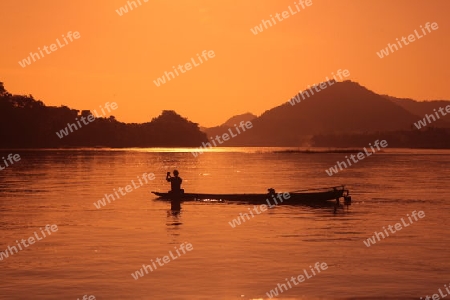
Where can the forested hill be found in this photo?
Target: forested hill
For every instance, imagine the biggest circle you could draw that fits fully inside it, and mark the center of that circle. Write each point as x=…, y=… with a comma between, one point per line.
x=28, y=123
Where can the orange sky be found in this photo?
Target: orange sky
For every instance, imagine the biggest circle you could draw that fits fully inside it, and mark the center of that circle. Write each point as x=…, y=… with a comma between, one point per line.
x=118, y=57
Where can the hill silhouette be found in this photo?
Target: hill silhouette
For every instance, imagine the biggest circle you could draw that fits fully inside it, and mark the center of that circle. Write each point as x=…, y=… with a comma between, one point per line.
x=229, y=124
x=28, y=123
x=421, y=108
x=344, y=109
x=235, y=120
x=344, y=114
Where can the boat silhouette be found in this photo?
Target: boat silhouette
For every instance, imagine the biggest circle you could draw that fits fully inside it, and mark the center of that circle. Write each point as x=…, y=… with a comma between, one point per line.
x=320, y=196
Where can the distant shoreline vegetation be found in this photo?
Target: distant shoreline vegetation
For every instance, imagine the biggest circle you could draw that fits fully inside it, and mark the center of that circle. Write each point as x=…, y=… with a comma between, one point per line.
x=317, y=151
x=28, y=123
x=90, y=118
x=430, y=138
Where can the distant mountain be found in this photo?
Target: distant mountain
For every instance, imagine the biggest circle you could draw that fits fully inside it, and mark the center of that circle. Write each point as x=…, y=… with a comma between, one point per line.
x=421, y=108
x=343, y=114
x=343, y=107
x=231, y=122
x=228, y=125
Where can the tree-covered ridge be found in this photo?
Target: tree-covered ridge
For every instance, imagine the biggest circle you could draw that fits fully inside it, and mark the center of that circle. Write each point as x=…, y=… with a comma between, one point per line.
x=28, y=123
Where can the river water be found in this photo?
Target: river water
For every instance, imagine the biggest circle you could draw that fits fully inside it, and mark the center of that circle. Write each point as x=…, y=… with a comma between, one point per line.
x=95, y=250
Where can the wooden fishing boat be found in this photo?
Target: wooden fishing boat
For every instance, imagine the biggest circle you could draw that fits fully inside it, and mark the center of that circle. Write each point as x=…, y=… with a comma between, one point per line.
x=311, y=196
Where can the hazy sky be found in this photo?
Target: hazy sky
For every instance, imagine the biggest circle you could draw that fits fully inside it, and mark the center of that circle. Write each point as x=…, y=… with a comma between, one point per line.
x=117, y=58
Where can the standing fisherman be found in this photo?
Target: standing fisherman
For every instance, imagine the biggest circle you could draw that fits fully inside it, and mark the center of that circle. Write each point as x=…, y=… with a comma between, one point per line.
x=176, y=191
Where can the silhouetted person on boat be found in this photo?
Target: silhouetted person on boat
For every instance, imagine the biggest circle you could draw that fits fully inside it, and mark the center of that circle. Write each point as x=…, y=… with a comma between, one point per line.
x=175, y=182
x=176, y=191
